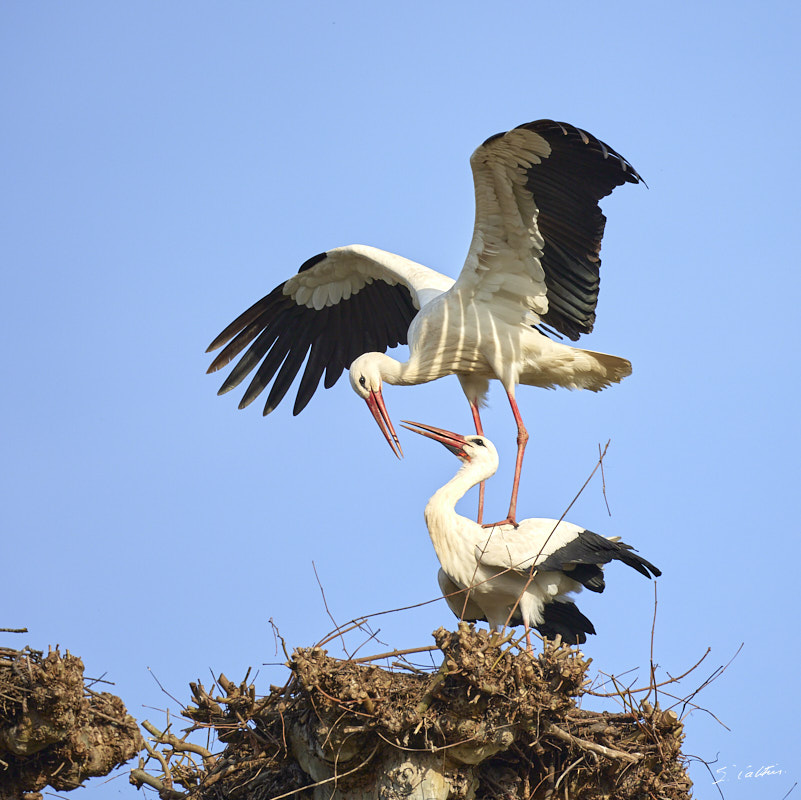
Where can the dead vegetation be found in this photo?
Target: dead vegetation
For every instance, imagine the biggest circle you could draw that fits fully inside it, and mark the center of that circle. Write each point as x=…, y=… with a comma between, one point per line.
x=493, y=722
x=55, y=730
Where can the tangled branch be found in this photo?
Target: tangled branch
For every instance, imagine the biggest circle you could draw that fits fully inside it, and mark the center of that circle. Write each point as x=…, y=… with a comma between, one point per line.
x=493, y=717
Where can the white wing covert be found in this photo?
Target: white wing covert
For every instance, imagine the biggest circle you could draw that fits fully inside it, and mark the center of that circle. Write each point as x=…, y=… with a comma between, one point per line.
x=532, y=543
x=560, y=546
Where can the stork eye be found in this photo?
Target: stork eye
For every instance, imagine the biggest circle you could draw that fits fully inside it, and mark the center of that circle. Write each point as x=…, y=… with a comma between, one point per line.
x=362, y=381
x=479, y=442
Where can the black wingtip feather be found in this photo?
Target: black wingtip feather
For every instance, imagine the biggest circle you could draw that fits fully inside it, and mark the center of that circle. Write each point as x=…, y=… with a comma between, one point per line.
x=289, y=369
x=493, y=138
x=261, y=309
x=642, y=566
x=590, y=576
x=592, y=548
x=278, y=333
x=310, y=262
x=567, y=186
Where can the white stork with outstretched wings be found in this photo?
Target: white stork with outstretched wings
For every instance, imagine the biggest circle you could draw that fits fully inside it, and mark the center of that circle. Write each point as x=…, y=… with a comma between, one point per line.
x=532, y=270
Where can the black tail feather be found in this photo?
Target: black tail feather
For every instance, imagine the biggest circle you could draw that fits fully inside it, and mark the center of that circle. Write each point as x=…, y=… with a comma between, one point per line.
x=562, y=617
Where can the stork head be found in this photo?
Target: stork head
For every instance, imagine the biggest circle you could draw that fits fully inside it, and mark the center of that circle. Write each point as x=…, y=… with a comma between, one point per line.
x=366, y=380
x=469, y=449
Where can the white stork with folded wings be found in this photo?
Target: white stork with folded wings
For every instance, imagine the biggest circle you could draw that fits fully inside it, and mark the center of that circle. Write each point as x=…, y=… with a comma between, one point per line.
x=532, y=265
x=514, y=575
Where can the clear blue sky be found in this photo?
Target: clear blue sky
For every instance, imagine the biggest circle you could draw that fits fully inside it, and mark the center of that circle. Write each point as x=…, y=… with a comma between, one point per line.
x=166, y=164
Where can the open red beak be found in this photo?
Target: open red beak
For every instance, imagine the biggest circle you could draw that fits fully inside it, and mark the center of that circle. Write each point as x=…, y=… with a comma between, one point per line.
x=375, y=402
x=453, y=441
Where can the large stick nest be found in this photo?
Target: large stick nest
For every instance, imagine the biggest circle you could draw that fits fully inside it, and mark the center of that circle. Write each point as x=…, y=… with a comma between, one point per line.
x=494, y=722
x=54, y=730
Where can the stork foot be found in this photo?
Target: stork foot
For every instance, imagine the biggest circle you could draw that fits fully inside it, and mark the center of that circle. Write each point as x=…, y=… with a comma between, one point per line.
x=508, y=521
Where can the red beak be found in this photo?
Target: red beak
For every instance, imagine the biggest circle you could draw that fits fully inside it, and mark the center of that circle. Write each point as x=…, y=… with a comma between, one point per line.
x=375, y=402
x=453, y=441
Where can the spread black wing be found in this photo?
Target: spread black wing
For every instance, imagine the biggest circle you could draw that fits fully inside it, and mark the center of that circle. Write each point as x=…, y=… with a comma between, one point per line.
x=566, y=187
x=555, y=175
x=280, y=333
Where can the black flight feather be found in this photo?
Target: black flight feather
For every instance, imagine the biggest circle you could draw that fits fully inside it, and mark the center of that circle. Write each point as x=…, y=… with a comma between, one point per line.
x=280, y=334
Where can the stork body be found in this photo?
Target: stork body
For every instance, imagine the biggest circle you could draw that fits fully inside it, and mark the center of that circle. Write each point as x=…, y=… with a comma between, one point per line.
x=514, y=575
x=532, y=265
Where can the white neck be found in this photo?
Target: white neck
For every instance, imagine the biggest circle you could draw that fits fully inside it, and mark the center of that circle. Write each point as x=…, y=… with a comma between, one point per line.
x=390, y=369
x=471, y=473
x=451, y=533
x=402, y=373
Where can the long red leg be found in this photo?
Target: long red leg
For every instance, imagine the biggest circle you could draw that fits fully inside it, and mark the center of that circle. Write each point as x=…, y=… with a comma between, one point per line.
x=522, y=440
x=480, y=432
